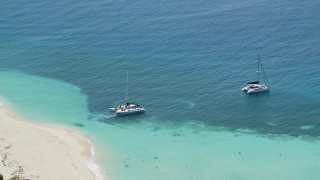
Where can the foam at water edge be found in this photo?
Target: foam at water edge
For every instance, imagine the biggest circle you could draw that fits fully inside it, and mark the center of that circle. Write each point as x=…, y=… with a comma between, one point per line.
x=94, y=167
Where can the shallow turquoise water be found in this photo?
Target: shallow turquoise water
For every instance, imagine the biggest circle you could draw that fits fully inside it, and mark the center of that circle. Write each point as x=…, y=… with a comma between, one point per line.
x=42, y=99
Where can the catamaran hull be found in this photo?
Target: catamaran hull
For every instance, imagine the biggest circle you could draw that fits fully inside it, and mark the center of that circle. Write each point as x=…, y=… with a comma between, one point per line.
x=129, y=112
x=127, y=109
x=255, y=88
x=251, y=91
x=245, y=88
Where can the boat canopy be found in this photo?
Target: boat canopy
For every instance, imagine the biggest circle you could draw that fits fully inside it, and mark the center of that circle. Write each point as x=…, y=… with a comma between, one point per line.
x=253, y=82
x=129, y=103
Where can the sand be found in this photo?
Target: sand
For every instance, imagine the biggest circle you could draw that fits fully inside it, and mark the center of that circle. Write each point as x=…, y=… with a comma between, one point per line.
x=39, y=151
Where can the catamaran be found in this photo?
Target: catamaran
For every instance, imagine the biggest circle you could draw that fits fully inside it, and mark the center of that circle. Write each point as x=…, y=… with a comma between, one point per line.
x=129, y=107
x=255, y=86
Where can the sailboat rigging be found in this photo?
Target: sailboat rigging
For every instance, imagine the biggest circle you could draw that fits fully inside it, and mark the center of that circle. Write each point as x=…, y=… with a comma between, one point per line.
x=255, y=86
x=129, y=107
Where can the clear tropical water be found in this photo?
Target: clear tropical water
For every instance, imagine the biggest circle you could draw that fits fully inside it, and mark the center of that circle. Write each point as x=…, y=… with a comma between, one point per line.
x=65, y=62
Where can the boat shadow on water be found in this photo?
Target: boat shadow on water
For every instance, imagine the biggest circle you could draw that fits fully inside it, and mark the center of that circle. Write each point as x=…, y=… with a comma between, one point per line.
x=114, y=119
x=263, y=97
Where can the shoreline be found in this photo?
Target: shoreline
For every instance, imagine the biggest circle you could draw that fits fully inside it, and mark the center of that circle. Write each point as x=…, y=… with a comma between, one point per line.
x=44, y=151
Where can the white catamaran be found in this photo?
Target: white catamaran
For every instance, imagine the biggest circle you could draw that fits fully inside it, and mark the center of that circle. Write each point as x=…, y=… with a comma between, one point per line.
x=129, y=107
x=255, y=86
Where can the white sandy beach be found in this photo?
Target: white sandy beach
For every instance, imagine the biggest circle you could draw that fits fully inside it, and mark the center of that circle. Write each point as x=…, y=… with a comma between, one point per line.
x=34, y=151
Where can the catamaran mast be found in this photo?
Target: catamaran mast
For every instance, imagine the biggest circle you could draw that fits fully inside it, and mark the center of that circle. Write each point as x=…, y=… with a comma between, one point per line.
x=258, y=72
x=127, y=88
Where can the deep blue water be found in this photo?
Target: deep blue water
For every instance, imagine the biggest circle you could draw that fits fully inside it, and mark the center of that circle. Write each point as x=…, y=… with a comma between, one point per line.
x=187, y=60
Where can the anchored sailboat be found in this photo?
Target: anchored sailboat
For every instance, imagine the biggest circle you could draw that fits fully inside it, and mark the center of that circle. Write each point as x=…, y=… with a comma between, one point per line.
x=129, y=107
x=255, y=86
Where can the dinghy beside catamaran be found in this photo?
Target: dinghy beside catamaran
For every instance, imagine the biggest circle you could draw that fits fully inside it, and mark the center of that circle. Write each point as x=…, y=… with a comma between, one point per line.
x=255, y=86
x=129, y=107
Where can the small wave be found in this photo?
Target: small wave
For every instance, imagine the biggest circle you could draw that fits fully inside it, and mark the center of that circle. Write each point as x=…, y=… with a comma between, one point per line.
x=272, y=124
x=109, y=116
x=95, y=168
x=307, y=127
x=189, y=104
